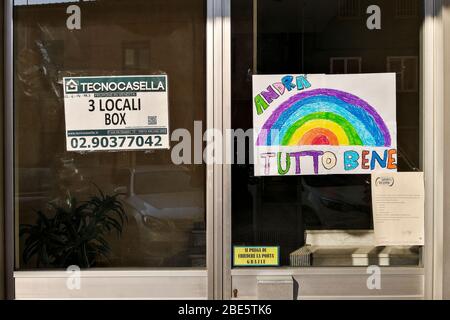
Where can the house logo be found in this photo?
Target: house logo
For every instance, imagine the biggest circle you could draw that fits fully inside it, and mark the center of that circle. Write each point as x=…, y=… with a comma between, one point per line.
x=71, y=86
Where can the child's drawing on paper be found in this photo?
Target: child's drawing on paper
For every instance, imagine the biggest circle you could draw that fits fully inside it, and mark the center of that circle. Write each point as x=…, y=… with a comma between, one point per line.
x=324, y=124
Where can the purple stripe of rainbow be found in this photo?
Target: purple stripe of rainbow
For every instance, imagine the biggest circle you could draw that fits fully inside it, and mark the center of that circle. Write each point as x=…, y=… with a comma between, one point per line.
x=344, y=96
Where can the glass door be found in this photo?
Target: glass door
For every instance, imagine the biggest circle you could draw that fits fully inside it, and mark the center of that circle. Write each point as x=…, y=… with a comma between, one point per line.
x=319, y=222
x=108, y=209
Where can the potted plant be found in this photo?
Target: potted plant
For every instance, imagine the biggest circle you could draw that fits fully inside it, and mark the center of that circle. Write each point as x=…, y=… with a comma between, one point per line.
x=73, y=233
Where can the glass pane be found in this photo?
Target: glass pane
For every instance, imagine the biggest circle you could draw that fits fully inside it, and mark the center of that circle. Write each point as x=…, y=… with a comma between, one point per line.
x=353, y=65
x=129, y=57
x=164, y=204
x=348, y=8
x=337, y=66
x=410, y=74
x=297, y=213
x=396, y=65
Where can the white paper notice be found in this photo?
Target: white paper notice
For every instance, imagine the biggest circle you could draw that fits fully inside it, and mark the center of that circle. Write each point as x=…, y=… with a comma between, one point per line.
x=398, y=208
x=116, y=113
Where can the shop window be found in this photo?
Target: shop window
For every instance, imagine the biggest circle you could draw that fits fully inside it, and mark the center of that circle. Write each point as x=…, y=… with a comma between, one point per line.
x=159, y=217
x=319, y=220
x=406, y=8
x=349, y=9
x=345, y=65
x=406, y=69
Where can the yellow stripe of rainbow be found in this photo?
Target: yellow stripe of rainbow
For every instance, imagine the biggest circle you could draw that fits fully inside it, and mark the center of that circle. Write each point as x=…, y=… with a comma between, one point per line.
x=320, y=123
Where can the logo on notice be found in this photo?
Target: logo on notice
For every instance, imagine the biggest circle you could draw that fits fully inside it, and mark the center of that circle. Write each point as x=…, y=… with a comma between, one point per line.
x=71, y=86
x=385, y=181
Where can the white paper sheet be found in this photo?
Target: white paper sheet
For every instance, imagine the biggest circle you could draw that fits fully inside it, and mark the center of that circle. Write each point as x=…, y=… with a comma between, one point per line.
x=116, y=113
x=320, y=124
x=398, y=208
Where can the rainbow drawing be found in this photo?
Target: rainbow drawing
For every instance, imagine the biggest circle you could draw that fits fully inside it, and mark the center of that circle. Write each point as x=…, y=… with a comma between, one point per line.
x=325, y=117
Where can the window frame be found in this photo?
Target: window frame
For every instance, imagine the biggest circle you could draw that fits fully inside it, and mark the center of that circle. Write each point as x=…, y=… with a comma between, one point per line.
x=342, y=3
x=397, y=4
x=219, y=278
x=426, y=279
x=192, y=283
x=402, y=74
x=345, y=60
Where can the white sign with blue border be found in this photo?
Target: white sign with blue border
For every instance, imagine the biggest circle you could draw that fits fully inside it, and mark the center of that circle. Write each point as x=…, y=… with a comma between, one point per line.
x=116, y=113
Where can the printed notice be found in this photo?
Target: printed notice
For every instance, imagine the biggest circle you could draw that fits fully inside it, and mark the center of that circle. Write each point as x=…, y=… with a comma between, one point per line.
x=398, y=208
x=116, y=113
x=256, y=256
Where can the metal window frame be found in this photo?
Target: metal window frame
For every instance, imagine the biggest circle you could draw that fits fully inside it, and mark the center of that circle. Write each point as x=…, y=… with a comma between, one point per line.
x=2, y=229
x=429, y=278
x=9, y=149
x=446, y=220
x=219, y=275
x=21, y=284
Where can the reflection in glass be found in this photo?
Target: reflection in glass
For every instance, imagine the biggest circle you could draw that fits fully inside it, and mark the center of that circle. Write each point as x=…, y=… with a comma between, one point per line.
x=315, y=37
x=164, y=203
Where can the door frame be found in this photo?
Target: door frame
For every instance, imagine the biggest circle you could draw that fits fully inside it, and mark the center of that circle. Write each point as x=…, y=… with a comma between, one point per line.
x=427, y=281
x=218, y=279
x=2, y=229
x=8, y=150
x=192, y=283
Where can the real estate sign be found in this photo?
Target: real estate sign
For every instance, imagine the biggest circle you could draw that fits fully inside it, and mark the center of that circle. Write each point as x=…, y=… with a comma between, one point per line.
x=116, y=113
